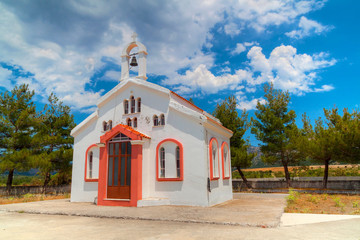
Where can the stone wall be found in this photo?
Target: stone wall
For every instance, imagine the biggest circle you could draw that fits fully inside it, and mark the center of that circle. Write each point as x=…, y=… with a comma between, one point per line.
x=310, y=183
x=20, y=190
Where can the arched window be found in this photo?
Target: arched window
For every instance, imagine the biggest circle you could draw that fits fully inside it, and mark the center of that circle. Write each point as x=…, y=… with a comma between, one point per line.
x=104, y=126
x=156, y=120
x=162, y=119
x=126, y=106
x=162, y=162
x=214, y=159
x=139, y=105
x=128, y=121
x=178, y=161
x=110, y=124
x=169, y=160
x=135, y=123
x=90, y=164
x=132, y=102
x=226, y=160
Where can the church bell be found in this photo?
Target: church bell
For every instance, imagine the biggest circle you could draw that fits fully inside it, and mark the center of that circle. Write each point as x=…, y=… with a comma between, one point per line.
x=133, y=62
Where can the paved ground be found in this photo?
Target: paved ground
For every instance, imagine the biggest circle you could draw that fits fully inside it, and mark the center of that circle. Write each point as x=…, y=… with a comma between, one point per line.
x=39, y=226
x=257, y=210
x=248, y=216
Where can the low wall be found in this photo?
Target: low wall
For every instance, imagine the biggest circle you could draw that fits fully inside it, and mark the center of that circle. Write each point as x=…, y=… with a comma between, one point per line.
x=334, y=183
x=20, y=190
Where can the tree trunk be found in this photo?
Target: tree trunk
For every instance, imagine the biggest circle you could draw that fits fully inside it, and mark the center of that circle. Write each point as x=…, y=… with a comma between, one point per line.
x=9, y=181
x=326, y=173
x=46, y=181
x=244, y=178
x=287, y=174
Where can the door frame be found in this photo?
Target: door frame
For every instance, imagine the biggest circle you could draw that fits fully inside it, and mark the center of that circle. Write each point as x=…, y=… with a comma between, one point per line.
x=136, y=168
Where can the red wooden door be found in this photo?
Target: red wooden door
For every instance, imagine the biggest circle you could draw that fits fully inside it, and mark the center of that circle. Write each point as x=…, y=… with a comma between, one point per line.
x=119, y=170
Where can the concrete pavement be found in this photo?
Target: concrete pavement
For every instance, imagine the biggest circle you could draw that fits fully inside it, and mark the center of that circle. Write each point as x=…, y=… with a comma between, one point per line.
x=39, y=226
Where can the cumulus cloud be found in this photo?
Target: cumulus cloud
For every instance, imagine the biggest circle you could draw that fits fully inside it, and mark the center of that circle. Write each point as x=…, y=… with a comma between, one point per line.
x=241, y=47
x=308, y=27
x=232, y=29
x=287, y=69
x=243, y=103
x=201, y=79
x=259, y=14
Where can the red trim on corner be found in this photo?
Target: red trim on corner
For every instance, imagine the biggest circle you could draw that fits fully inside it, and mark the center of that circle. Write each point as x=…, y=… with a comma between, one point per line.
x=181, y=178
x=211, y=166
x=222, y=159
x=86, y=162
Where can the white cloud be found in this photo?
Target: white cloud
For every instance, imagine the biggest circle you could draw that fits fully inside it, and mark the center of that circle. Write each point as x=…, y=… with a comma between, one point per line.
x=112, y=75
x=240, y=47
x=324, y=88
x=202, y=79
x=243, y=103
x=288, y=70
x=5, y=76
x=308, y=27
x=232, y=29
x=259, y=14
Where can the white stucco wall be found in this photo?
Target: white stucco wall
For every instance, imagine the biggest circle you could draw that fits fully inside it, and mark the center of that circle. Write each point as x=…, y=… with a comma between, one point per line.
x=82, y=191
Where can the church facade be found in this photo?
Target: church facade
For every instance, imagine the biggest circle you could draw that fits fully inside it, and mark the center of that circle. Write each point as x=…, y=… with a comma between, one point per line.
x=145, y=145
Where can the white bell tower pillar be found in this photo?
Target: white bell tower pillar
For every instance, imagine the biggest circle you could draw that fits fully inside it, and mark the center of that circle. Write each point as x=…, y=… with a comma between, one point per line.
x=140, y=57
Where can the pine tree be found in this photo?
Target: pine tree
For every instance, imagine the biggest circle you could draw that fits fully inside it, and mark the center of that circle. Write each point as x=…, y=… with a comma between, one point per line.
x=227, y=113
x=17, y=115
x=275, y=127
x=336, y=140
x=53, y=140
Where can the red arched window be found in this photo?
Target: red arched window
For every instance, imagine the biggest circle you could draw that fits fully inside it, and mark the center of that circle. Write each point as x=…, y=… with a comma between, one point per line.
x=110, y=124
x=104, y=126
x=226, y=160
x=128, y=122
x=169, y=160
x=139, y=105
x=126, y=106
x=135, y=123
x=132, y=102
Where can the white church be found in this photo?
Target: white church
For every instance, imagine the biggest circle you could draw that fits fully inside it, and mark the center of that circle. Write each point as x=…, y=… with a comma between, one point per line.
x=145, y=145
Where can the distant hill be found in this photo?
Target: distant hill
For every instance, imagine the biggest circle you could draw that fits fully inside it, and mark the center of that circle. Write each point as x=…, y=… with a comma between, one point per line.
x=256, y=162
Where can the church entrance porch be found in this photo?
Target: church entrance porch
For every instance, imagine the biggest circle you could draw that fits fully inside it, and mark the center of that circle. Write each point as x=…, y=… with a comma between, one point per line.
x=120, y=168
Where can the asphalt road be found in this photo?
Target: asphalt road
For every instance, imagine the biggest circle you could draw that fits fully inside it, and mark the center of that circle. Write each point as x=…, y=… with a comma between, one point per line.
x=38, y=226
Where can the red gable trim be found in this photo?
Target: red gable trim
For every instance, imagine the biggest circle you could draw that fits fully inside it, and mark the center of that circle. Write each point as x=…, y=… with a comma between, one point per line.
x=209, y=119
x=124, y=129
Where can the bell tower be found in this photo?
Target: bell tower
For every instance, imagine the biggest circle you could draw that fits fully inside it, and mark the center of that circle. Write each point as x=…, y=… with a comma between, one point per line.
x=136, y=59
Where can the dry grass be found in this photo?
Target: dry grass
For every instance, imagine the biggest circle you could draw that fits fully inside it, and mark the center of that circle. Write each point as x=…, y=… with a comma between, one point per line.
x=323, y=203
x=30, y=198
x=281, y=169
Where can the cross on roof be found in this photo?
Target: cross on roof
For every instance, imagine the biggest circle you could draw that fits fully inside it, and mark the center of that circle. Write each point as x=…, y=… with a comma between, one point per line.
x=134, y=35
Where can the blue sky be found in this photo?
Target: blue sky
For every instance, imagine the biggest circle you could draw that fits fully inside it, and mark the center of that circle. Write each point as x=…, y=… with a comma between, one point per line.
x=206, y=50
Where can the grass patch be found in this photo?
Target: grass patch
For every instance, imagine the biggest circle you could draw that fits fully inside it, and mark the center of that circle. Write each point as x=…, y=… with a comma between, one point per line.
x=322, y=203
x=31, y=198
